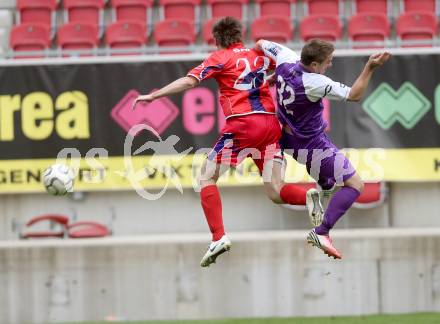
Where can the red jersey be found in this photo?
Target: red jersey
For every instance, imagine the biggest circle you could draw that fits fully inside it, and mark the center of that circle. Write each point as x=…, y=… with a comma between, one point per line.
x=240, y=73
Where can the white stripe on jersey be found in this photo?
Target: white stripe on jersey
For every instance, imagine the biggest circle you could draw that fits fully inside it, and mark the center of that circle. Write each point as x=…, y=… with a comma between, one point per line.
x=279, y=53
x=318, y=86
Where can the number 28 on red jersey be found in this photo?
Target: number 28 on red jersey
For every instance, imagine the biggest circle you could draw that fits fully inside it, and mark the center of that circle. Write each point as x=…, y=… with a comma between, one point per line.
x=241, y=75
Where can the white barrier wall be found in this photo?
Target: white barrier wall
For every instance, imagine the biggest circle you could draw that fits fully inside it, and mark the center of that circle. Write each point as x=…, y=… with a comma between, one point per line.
x=265, y=274
x=415, y=204
x=245, y=209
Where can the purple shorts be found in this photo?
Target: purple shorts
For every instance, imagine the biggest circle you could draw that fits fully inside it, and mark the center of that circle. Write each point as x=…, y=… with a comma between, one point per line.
x=324, y=161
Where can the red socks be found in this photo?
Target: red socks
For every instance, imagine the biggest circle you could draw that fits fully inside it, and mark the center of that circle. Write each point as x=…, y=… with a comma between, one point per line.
x=212, y=206
x=293, y=195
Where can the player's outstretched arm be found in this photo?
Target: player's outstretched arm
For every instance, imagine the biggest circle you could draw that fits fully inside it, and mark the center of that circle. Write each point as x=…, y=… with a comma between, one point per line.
x=360, y=85
x=259, y=45
x=179, y=85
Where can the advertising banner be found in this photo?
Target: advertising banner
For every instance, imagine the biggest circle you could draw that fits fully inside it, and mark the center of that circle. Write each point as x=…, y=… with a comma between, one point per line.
x=83, y=111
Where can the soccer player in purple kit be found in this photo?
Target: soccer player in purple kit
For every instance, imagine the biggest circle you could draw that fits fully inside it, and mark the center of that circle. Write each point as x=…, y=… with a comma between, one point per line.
x=301, y=86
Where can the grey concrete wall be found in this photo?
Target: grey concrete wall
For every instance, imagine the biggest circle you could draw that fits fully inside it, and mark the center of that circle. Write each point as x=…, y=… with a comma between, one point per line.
x=415, y=204
x=245, y=209
x=265, y=274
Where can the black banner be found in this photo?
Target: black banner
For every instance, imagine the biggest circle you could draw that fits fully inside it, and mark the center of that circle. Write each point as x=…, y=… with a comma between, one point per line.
x=44, y=109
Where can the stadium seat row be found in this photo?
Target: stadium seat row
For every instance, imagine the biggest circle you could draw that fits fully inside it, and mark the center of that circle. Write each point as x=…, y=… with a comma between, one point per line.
x=373, y=195
x=61, y=226
x=135, y=9
x=66, y=228
x=132, y=22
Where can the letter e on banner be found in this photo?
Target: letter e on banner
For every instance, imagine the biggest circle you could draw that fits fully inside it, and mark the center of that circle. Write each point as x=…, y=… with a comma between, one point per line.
x=198, y=109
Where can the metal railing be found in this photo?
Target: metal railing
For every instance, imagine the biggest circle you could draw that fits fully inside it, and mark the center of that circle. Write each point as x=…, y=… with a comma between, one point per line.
x=196, y=52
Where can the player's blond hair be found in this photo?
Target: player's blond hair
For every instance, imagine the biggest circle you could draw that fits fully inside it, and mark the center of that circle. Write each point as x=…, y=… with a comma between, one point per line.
x=316, y=50
x=227, y=31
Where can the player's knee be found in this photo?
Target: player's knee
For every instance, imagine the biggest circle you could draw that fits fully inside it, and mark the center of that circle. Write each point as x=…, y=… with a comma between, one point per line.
x=204, y=182
x=358, y=185
x=275, y=198
x=273, y=195
x=208, y=176
x=361, y=186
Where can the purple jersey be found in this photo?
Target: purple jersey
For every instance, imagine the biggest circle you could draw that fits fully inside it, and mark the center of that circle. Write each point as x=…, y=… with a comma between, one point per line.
x=299, y=97
x=300, y=92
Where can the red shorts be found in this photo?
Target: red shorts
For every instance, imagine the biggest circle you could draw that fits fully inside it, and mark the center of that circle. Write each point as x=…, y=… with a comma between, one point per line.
x=255, y=136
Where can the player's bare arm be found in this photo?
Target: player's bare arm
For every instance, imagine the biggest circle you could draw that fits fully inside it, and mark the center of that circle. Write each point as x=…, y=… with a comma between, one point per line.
x=360, y=85
x=271, y=79
x=259, y=45
x=179, y=85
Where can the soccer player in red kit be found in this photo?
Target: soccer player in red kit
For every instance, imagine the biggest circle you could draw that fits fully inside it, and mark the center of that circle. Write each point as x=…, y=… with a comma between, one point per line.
x=251, y=129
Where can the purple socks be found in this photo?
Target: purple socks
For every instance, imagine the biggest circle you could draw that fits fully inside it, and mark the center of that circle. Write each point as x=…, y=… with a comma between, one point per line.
x=339, y=204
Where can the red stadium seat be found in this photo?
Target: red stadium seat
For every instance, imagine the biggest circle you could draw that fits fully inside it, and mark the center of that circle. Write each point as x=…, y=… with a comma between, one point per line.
x=274, y=8
x=323, y=7
x=30, y=37
x=274, y=28
x=419, y=5
x=126, y=34
x=374, y=195
x=366, y=27
x=417, y=26
x=36, y=11
x=60, y=220
x=88, y=11
x=223, y=8
x=207, y=31
x=78, y=36
x=138, y=10
x=371, y=6
x=174, y=32
x=81, y=229
x=87, y=229
x=178, y=9
x=326, y=27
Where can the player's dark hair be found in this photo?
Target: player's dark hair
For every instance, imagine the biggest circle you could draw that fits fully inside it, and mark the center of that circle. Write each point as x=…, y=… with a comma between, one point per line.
x=316, y=50
x=227, y=31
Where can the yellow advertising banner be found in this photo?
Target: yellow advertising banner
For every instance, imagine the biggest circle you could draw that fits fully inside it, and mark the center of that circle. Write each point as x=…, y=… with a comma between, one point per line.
x=176, y=171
